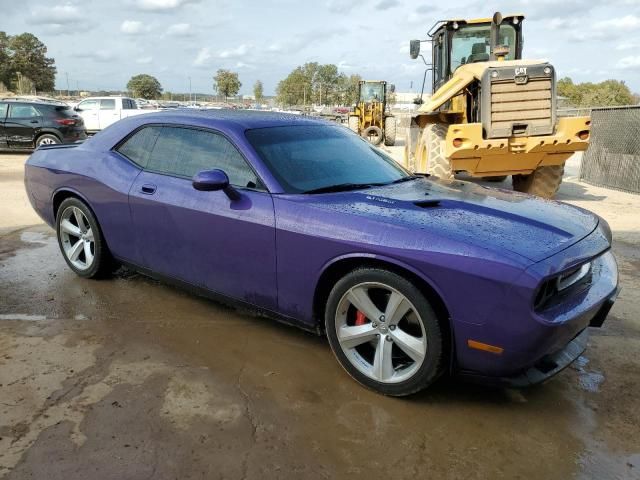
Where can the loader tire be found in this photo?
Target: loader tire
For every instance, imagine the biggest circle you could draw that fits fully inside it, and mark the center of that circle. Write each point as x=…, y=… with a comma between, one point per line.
x=353, y=124
x=373, y=135
x=543, y=182
x=390, y=131
x=433, y=159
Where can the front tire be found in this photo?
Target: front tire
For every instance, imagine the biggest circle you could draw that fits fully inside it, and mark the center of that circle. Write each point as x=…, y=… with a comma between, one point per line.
x=353, y=124
x=81, y=241
x=384, y=332
x=432, y=159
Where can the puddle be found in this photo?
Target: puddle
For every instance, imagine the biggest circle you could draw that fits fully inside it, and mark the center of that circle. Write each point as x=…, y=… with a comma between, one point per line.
x=588, y=380
x=34, y=237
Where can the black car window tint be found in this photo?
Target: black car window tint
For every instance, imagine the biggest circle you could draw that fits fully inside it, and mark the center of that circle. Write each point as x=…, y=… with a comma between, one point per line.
x=3, y=110
x=22, y=111
x=108, y=104
x=138, y=147
x=185, y=152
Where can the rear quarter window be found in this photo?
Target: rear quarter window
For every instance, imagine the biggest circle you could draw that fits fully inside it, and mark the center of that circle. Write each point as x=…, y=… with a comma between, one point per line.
x=138, y=146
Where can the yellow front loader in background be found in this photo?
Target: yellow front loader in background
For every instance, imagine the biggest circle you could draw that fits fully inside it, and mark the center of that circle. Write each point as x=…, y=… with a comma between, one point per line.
x=491, y=114
x=371, y=117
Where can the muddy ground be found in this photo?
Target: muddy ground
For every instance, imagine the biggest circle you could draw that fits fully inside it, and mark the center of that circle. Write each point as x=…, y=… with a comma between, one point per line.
x=129, y=379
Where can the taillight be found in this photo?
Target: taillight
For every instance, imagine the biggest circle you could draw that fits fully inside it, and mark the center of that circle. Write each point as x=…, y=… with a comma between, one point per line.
x=65, y=121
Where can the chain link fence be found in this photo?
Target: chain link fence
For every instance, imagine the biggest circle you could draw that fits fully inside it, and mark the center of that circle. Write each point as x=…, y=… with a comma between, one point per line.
x=613, y=157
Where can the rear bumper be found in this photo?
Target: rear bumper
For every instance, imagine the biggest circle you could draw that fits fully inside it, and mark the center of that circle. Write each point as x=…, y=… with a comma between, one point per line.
x=514, y=155
x=74, y=135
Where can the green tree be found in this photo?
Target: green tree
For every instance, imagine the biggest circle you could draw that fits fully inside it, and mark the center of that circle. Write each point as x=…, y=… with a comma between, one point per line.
x=26, y=54
x=258, y=91
x=315, y=83
x=603, y=94
x=144, y=86
x=349, y=88
x=226, y=83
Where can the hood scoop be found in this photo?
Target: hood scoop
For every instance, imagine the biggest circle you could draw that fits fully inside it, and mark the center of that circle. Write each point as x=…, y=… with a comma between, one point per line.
x=427, y=203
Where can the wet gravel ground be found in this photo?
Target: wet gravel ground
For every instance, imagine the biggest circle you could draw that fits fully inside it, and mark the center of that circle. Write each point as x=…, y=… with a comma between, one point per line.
x=128, y=378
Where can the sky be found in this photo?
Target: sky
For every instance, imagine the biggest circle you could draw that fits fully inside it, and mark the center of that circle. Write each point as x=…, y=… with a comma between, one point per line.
x=101, y=44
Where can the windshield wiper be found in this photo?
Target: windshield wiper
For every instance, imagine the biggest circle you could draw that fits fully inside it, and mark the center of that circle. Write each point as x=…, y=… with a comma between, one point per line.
x=404, y=179
x=343, y=187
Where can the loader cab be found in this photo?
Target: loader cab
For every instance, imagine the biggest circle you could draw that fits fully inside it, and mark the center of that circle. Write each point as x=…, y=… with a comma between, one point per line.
x=372, y=91
x=460, y=42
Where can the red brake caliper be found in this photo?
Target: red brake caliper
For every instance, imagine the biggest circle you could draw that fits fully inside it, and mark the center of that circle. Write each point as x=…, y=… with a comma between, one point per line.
x=360, y=318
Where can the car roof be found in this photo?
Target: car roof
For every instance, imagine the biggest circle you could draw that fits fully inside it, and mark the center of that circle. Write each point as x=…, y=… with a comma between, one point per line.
x=34, y=101
x=237, y=119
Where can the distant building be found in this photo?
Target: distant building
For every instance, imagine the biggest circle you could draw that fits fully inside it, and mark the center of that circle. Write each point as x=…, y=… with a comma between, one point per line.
x=406, y=100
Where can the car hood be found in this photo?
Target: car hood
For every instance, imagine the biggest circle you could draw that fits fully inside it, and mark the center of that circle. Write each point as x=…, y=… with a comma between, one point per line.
x=490, y=218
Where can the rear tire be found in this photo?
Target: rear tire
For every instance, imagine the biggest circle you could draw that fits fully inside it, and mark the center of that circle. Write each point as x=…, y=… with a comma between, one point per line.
x=47, y=139
x=353, y=124
x=81, y=241
x=543, y=182
x=390, y=131
x=374, y=350
x=373, y=135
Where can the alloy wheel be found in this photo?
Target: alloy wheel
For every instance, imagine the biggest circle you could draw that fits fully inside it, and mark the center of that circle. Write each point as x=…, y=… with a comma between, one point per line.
x=381, y=332
x=77, y=237
x=47, y=141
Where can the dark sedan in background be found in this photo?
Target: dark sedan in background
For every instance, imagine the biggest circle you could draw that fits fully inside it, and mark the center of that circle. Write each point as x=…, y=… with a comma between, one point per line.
x=26, y=124
x=409, y=277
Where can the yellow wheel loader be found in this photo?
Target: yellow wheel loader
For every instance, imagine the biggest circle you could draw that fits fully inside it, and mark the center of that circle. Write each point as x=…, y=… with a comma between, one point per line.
x=370, y=117
x=491, y=114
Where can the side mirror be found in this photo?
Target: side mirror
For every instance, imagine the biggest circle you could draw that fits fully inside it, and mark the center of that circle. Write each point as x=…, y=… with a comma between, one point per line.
x=214, y=180
x=77, y=109
x=392, y=88
x=414, y=49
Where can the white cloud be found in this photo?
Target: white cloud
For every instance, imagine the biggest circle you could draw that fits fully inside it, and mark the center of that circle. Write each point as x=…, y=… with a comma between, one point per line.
x=56, y=15
x=628, y=63
x=340, y=6
x=162, y=5
x=387, y=4
x=235, y=52
x=627, y=22
x=180, y=30
x=96, y=55
x=627, y=46
x=144, y=60
x=203, y=57
x=132, y=27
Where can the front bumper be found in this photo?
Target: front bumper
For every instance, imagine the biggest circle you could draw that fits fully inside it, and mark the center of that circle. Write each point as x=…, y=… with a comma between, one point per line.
x=551, y=364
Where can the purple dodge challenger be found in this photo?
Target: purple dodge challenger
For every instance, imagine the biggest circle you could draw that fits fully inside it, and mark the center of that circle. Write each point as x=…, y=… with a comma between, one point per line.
x=408, y=277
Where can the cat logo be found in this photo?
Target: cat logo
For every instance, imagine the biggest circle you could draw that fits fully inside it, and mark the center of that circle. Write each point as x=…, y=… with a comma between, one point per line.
x=521, y=71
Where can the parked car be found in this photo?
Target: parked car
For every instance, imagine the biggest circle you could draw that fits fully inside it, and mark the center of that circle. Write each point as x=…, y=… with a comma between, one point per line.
x=27, y=124
x=409, y=277
x=100, y=112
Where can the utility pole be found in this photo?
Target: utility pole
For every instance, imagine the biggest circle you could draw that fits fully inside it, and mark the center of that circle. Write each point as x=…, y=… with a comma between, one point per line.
x=190, y=90
x=67, y=74
x=78, y=87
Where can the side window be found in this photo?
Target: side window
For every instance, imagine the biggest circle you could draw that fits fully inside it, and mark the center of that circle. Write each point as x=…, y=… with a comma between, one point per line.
x=127, y=104
x=138, y=147
x=23, y=111
x=108, y=104
x=88, y=105
x=185, y=152
x=3, y=110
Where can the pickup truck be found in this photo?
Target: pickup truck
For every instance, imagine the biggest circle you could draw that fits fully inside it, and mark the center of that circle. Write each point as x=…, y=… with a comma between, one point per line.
x=100, y=112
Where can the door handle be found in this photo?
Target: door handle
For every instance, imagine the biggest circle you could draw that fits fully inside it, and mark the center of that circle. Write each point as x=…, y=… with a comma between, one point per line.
x=34, y=121
x=148, y=189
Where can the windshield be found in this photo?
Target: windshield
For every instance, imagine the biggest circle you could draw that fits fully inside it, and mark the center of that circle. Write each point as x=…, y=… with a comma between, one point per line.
x=305, y=158
x=371, y=91
x=470, y=44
